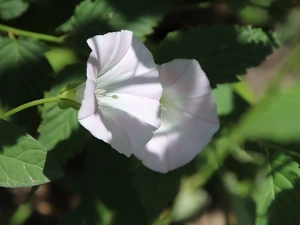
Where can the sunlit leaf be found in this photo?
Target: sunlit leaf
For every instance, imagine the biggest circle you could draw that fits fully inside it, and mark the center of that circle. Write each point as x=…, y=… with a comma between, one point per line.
x=23, y=160
x=223, y=95
x=277, y=119
x=277, y=197
x=243, y=90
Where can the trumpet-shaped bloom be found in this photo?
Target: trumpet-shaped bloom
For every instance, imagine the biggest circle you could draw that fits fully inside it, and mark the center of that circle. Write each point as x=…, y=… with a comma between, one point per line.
x=120, y=98
x=189, y=117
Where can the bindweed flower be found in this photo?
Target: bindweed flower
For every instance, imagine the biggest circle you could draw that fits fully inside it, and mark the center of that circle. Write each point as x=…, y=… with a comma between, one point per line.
x=189, y=117
x=120, y=98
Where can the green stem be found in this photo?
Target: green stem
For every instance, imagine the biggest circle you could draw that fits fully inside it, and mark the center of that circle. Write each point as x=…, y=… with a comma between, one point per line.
x=28, y=105
x=21, y=214
x=40, y=36
x=281, y=149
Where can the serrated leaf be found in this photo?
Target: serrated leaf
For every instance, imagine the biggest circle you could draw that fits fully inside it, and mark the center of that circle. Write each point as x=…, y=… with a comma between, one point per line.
x=277, y=197
x=60, y=130
x=223, y=51
x=57, y=124
x=23, y=160
x=24, y=70
x=10, y=9
x=99, y=16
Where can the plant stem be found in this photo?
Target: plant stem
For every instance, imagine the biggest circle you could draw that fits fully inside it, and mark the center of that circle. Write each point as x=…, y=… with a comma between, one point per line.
x=281, y=149
x=28, y=105
x=40, y=36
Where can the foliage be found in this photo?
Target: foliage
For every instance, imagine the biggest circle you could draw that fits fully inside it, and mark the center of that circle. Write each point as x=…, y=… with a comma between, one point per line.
x=249, y=171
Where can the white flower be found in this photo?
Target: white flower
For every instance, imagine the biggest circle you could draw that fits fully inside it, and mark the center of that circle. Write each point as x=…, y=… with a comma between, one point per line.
x=189, y=117
x=120, y=98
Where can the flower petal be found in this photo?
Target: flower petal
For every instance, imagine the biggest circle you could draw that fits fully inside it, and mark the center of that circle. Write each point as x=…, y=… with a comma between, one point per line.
x=189, y=118
x=85, y=95
x=107, y=51
x=94, y=124
x=136, y=67
x=128, y=134
x=123, y=78
x=145, y=85
x=184, y=79
x=146, y=110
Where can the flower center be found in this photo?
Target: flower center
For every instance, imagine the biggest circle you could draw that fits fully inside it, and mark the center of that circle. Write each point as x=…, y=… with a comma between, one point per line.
x=100, y=93
x=163, y=103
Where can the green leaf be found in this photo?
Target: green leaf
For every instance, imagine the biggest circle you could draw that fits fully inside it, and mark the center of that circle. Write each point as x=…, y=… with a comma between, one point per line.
x=57, y=124
x=243, y=90
x=242, y=209
x=60, y=130
x=10, y=9
x=280, y=8
x=156, y=189
x=23, y=160
x=237, y=4
x=290, y=29
x=99, y=16
x=213, y=157
x=107, y=194
x=277, y=197
x=221, y=58
x=224, y=98
x=60, y=57
x=277, y=119
x=24, y=70
x=189, y=202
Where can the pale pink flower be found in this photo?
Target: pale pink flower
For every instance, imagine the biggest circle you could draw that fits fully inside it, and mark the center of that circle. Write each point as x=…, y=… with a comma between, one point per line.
x=189, y=117
x=120, y=98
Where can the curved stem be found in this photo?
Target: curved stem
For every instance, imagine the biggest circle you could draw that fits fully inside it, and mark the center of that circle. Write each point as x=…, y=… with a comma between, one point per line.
x=28, y=105
x=40, y=36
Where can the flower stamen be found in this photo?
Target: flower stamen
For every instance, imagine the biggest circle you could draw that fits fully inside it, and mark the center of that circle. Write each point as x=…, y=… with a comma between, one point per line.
x=100, y=93
x=163, y=108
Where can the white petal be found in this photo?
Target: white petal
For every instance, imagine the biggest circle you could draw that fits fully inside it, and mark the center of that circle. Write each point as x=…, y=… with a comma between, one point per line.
x=137, y=66
x=128, y=134
x=107, y=51
x=85, y=95
x=189, y=121
x=146, y=85
x=184, y=78
x=94, y=124
x=145, y=110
